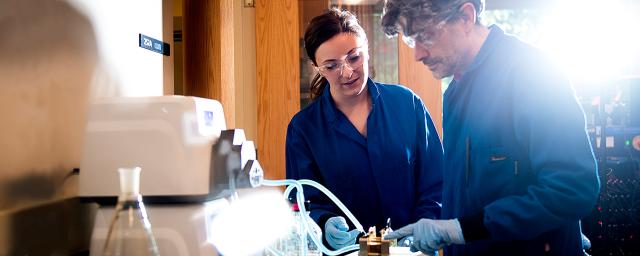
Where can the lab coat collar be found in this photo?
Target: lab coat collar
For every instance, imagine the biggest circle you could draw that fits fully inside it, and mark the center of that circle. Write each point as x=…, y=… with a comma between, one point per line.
x=495, y=35
x=339, y=121
x=329, y=106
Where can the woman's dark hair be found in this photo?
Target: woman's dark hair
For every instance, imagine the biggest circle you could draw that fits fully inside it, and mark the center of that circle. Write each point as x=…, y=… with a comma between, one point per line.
x=322, y=28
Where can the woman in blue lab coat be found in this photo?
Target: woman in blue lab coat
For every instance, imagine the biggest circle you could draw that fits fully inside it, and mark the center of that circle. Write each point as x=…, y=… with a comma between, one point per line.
x=373, y=145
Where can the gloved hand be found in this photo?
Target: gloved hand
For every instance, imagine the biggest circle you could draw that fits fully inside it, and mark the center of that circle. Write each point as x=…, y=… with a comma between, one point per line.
x=337, y=234
x=430, y=235
x=586, y=244
x=406, y=241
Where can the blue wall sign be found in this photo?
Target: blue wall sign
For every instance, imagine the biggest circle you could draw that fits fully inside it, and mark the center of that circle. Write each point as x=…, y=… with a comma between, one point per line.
x=153, y=45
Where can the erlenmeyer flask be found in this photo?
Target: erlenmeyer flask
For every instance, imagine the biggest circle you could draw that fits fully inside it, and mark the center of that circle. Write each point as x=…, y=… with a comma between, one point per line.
x=130, y=229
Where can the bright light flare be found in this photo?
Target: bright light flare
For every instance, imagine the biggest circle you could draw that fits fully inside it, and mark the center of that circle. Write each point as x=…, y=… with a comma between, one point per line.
x=593, y=40
x=251, y=223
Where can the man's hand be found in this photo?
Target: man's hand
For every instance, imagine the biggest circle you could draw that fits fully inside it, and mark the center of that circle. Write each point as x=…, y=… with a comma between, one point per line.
x=430, y=235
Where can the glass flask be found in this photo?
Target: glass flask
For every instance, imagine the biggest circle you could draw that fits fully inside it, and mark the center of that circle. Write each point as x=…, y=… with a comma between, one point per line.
x=299, y=243
x=130, y=230
x=294, y=240
x=314, y=230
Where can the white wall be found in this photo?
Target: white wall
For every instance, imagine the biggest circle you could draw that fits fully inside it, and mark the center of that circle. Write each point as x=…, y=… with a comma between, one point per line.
x=127, y=69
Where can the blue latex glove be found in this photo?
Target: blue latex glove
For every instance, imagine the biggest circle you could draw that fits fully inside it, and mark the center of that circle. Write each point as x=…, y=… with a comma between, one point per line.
x=406, y=241
x=586, y=244
x=337, y=234
x=430, y=235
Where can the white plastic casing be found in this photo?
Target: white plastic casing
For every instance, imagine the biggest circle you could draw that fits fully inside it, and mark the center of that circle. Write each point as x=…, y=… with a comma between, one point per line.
x=169, y=137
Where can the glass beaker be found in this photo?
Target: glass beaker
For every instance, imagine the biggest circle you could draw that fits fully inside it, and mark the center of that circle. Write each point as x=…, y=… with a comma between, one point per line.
x=130, y=229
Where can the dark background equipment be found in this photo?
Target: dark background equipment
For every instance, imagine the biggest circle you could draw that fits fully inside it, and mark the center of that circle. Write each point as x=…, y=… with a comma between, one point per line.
x=613, y=122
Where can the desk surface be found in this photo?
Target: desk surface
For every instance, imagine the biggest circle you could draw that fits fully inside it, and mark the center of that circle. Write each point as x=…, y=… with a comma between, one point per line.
x=396, y=251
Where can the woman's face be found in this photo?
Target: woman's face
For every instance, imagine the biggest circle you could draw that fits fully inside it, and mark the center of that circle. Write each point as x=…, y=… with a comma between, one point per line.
x=344, y=61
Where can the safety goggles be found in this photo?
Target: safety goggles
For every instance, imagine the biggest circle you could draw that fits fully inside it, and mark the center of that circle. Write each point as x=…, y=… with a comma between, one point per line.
x=426, y=37
x=427, y=32
x=353, y=60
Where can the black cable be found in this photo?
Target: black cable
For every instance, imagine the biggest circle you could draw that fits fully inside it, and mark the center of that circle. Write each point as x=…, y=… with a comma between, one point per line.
x=74, y=171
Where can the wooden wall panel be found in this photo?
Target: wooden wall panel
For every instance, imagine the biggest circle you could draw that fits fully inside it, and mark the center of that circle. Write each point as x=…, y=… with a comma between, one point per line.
x=417, y=76
x=209, y=52
x=245, y=70
x=167, y=36
x=278, y=79
x=308, y=9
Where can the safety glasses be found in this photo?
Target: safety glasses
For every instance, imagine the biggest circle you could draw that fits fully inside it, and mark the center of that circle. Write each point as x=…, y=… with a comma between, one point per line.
x=353, y=60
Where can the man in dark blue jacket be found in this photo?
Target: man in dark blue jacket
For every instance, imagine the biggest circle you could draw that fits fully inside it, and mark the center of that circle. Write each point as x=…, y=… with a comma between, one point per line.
x=519, y=172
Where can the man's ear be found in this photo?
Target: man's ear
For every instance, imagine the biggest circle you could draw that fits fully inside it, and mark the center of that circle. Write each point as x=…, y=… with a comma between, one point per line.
x=468, y=15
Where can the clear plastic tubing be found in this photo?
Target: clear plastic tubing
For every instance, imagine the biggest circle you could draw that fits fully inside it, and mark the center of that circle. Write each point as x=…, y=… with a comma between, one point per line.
x=300, y=199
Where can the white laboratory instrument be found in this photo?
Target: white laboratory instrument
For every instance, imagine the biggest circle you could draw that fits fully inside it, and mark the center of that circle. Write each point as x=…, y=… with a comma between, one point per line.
x=163, y=135
x=188, y=160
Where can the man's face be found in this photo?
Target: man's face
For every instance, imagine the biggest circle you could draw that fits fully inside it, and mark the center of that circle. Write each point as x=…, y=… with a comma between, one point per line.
x=437, y=45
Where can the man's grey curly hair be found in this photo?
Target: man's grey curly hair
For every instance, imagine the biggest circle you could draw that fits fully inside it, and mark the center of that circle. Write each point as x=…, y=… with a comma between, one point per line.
x=429, y=12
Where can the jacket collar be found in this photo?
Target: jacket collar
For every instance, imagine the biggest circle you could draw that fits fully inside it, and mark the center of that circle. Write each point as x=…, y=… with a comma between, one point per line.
x=490, y=44
x=329, y=106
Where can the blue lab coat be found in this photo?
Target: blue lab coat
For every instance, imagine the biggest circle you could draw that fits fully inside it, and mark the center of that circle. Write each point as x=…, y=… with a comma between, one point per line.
x=395, y=172
x=519, y=169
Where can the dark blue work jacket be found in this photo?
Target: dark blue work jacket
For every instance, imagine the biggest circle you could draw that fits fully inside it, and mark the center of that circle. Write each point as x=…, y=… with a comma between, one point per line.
x=518, y=161
x=395, y=172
